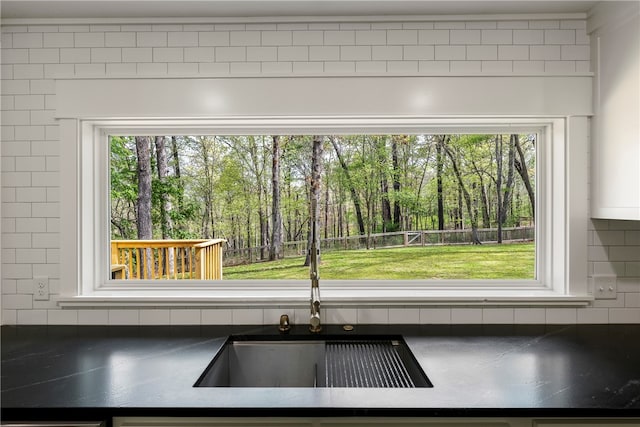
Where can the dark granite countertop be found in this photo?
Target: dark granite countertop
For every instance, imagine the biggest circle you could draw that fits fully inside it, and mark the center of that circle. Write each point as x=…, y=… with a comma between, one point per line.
x=90, y=372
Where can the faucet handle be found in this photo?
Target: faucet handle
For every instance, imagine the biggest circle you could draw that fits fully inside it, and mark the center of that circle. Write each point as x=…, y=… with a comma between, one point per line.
x=284, y=323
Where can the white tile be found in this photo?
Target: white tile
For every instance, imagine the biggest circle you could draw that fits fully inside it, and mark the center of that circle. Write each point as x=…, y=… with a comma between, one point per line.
x=168, y=54
x=15, y=87
x=24, y=133
x=482, y=53
x=27, y=40
x=573, y=24
x=120, y=39
x=578, y=53
x=277, y=38
x=308, y=67
x=15, y=56
x=32, y=317
x=544, y=53
x=377, y=316
x=262, y=53
x=466, y=315
x=315, y=26
x=341, y=316
x=446, y=25
x=247, y=316
x=39, y=87
x=355, y=53
x=497, y=67
x=9, y=317
x=466, y=67
x=375, y=37
x=406, y=315
x=221, y=316
x=424, y=53
x=118, y=69
x=308, y=38
x=214, y=69
x=386, y=53
x=104, y=28
x=6, y=40
x=89, y=39
x=417, y=25
x=213, y=38
x=544, y=25
x=632, y=300
x=199, y=54
x=450, y=53
x=75, y=55
x=615, y=268
x=495, y=316
x=58, y=40
x=16, y=117
x=28, y=71
x=185, y=317
x=324, y=53
x=497, y=36
x=339, y=38
x=559, y=36
x=106, y=54
x=137, y=54
x=561, y=316
x=182, y=69
x=402, y=37
x=464, y=37
x=371, y=66
x=244, y=38
x=166, y=27
x=386, y=25
x=151, y=39
x=402, y=67
x=182, y=39
x=62, y=317
x=339, y=67
x=534, y=37
x=231, y=54
x=155, y=317
x=296, y=53
x=124, y=317
x=435, y=316
x=16, y=302
x=513, y=53
x=245, y=68
x=624, y=315
x=355, y=26
x=560, y=67
x=44, y=56
x=433, y=37
x=276, y=68
x=90, y=70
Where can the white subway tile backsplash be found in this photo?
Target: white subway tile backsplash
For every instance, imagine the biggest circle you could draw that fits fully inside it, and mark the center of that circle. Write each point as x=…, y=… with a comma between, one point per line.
x=32, y=57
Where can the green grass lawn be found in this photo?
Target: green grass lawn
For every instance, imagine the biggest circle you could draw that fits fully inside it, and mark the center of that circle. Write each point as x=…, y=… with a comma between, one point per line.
x=508, y=261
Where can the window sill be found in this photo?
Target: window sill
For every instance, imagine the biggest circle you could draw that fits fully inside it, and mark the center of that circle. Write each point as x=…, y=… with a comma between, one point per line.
x=297, y=297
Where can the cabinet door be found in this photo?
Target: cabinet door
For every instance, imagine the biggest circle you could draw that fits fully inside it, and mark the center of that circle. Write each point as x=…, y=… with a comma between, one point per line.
x=587, y=423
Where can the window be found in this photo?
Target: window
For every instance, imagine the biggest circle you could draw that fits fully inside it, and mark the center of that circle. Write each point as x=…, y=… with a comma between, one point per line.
x=555, y=112
x=395, y=206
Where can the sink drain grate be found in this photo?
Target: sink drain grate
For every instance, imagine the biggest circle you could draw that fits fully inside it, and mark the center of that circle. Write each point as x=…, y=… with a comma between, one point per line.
x=366, y=364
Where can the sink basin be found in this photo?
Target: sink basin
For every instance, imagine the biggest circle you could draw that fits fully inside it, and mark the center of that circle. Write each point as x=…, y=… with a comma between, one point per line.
x=309, y=361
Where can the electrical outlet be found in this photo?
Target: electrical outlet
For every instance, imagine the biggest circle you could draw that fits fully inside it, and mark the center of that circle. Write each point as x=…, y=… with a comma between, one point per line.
x=604, y=287
x=41, y=288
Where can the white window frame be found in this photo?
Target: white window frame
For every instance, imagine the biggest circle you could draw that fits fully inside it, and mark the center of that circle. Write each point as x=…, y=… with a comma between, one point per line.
x=560, y=216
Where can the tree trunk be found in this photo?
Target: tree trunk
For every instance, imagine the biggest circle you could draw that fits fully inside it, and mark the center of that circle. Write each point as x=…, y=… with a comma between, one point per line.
x=143, y=222
x=521, y=166
x=316, y=177
x=467, y=197
x=439, y=173
x=165, y=202
x=508, y=191
x=396, y=184
x=352, y=190
x=275, y=250
x=499, y=205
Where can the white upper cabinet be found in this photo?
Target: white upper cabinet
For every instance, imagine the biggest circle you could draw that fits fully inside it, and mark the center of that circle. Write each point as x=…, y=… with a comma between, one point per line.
x=615, y=155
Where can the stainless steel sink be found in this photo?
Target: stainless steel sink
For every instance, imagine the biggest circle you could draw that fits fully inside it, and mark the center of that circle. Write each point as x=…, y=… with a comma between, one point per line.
x=258, y=361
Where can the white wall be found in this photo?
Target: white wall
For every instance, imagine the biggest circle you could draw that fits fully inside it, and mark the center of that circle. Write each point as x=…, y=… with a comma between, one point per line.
x=33, y=56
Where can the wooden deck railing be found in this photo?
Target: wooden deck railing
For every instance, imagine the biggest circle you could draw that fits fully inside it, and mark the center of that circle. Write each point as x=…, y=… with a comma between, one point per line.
x=166, y=259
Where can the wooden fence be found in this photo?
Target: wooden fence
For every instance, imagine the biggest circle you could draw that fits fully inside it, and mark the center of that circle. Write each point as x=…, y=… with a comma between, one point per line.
x=166, y=259
x=385, y=240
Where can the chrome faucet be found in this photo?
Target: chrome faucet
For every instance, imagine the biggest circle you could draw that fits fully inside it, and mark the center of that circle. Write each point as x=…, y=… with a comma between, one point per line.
x=314, y=253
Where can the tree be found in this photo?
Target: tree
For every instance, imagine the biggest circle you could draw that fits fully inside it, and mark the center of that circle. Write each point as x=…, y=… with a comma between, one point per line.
x=521, y=166
x=315, y=184
x=276, y=250
x=352, y=190
x=144, y=224
x=473, y=215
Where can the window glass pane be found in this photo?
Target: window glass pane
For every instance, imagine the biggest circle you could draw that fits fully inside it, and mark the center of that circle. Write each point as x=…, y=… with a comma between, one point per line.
x=398, y=207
